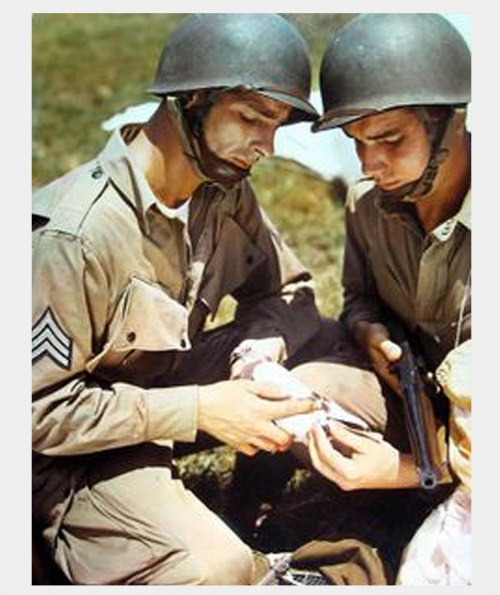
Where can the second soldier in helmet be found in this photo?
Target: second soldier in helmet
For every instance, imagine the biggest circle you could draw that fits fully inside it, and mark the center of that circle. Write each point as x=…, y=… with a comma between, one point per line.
x=398, y=85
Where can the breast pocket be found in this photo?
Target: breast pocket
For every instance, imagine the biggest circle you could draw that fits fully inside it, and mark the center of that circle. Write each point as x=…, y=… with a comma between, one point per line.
x=231, y=264
x=146, y=319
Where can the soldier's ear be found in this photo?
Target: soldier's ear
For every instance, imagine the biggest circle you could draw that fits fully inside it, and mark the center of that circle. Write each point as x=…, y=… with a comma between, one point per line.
x=196, y=98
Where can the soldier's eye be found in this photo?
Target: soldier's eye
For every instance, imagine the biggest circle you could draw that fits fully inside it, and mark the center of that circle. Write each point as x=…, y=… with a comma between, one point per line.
x=249, y=117
x=393, y=140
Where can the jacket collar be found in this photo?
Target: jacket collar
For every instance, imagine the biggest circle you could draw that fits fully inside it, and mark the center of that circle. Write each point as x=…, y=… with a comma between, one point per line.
x=465, y=213
x=443, y=231
x=404, y=210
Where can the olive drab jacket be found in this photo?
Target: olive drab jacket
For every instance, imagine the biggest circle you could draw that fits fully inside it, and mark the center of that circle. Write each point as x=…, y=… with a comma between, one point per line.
x=121, y=288
x=425, y=279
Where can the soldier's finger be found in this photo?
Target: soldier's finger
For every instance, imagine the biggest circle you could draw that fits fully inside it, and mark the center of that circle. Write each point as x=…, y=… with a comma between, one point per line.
x=284, y=408
x=269, y=390
x=247, y=449
x=354, y=439
x=323, y=456
x=278, y=436
x=331, y=453
x=263, y=443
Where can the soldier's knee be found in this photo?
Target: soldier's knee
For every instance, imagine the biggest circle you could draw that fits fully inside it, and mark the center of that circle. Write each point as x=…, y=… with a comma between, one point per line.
x=243, y=566
x=355, y=389
x=235, y=567
x=231, y=567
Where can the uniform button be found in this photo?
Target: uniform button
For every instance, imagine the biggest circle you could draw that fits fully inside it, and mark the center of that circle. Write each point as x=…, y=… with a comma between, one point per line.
x=131, y=336
x=97, y=173
x=183, y=343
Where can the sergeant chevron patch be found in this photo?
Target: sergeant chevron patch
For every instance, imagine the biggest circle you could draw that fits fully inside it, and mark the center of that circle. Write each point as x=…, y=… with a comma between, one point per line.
x=49, y=339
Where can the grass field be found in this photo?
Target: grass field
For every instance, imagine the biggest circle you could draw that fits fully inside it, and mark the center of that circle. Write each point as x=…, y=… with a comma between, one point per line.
x=87, y=67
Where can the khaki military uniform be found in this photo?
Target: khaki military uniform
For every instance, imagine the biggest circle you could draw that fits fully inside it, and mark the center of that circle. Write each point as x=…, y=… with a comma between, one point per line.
x=423, y=278
x=122, y=289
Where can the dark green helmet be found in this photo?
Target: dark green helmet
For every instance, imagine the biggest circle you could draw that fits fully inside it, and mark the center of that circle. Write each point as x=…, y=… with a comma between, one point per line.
x=262, y=52
x=380, y=61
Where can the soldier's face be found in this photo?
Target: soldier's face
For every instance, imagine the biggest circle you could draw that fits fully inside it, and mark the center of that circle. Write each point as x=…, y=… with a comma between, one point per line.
x=393, y=147
x=240, y=127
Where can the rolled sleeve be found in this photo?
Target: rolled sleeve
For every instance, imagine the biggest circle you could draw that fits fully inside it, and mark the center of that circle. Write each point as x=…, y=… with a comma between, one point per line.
x=455, y=376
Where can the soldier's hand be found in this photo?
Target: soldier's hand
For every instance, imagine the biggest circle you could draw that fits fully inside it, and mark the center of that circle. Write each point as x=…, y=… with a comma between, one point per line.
x=241, y=413
x=360, y=460
x=375, y=339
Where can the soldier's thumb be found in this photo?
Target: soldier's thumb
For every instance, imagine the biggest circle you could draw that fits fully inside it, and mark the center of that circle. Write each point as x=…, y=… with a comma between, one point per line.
x=294, y=407
x=270, y=390
x=391, y=351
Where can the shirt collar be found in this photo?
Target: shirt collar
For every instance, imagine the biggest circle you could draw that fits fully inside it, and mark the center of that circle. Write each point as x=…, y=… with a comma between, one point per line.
x=465, y=213
x=443, y=231
x=118, y=162
x=181, y=213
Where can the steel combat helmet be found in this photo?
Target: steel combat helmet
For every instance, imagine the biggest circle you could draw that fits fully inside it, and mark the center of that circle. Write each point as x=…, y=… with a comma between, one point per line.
x=262, y=52
x=380, y=61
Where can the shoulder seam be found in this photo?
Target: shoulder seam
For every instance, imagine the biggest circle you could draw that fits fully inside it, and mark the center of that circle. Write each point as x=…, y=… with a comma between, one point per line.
x=68, y=216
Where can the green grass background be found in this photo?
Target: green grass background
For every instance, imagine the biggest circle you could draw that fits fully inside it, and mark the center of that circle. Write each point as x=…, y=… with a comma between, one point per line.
x=87, y=67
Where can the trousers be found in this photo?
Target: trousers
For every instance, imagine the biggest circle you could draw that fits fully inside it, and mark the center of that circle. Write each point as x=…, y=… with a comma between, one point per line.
x=382, y=519
x=126, y=516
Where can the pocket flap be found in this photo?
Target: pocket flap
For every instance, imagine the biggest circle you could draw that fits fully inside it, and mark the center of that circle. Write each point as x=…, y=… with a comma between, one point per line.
x=148, y=319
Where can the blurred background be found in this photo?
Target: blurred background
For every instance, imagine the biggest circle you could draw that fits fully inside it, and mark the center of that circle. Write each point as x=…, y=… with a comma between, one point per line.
x=87, y=68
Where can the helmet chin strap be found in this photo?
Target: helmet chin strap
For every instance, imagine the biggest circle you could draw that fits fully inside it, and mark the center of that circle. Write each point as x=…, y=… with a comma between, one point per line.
x=207, y=164
x=175, y=110
x=440, y=133
x=216, y=169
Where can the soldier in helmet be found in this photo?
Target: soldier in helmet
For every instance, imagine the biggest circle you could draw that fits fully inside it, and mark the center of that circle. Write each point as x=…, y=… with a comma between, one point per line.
x=398, y=85
x=132, y=252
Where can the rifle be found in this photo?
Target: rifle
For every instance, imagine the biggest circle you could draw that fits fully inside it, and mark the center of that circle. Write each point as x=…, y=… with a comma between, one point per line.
x=418, y=395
